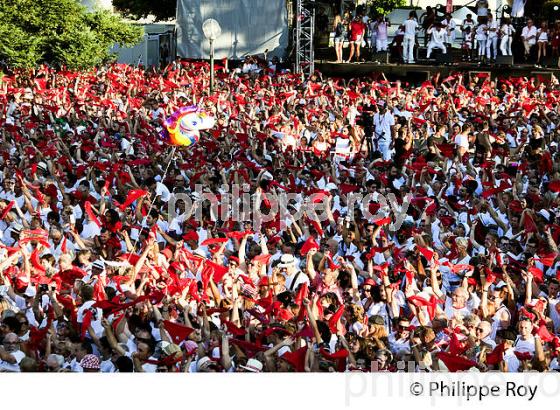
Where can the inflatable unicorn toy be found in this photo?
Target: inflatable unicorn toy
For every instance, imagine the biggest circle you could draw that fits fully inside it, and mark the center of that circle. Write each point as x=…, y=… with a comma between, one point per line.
x=184, y=126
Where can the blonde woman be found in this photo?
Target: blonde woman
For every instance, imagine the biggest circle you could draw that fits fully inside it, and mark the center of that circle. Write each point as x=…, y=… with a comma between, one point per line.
x=340, y=31
x=542, y=42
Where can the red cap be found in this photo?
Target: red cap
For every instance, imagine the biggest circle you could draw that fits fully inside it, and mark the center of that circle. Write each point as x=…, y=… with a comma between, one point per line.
x=308, y=245
x=191, y=236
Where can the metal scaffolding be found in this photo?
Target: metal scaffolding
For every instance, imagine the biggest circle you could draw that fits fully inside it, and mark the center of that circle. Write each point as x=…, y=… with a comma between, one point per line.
x=305, y=31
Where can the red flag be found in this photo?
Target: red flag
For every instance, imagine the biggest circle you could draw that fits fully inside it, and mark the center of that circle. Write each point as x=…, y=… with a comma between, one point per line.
x=234, y=330
x=36, y=262
x=88, y=316
x=496, y=355
x=7, y=209
x=333, y=321
x=529, y=224
x=213, y=241
x=547, y=260
x=523, y=355
x=457, y=347
x=537, y=274
x=554, y=186
x=544, y=334
x=382, y=221
x=431, y=305
x=296, y=359
x=455, y=363
x=177, y=332
x=301, y=294
x=63, y=246
x=92, y=217
x=428, y=254
x=263, y=258
x=132, y=196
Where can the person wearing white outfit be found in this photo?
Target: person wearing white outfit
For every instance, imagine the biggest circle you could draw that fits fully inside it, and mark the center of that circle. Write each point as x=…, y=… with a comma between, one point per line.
x=383, y=122
x=529, y=37
x=481, y=38
x=492, y=38
x=542, y=41
x=410, y=29
x=450, y=29
x=507, y=31
x=437, y=40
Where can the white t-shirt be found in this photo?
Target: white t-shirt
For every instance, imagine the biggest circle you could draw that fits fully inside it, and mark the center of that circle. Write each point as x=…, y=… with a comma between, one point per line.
x=528, y=32
x=383, y=124
x=96, y=318
x=9, y=367
x=410, y=27
x=461, y=140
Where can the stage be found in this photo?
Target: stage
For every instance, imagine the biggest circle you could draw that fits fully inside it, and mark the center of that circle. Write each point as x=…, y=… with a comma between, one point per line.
x=421, y=72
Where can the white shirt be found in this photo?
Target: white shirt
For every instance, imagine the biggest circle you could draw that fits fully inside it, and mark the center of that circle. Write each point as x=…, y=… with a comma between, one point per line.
x=438, y=36
x=410, y=27
x=492, y=25
x=163, y=191
x=528, y=32
x=9, y=367
x=299, y=280
x=383, y=124
x=96, y=318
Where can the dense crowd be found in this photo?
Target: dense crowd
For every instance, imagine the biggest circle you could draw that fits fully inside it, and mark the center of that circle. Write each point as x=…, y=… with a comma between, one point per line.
x=98, y=275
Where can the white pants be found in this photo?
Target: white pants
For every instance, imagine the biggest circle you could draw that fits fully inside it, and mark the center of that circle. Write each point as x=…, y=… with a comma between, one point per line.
x=482, y=47
x=381, y=44
x=492, y=45
x=505, y=46
x=432, y=45
x=384, y=147
x=408, y=49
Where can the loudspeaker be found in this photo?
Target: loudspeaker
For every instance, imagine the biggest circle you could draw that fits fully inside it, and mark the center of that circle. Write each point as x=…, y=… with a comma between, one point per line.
x=504, y=60
x=382, y=57
x=446, y=58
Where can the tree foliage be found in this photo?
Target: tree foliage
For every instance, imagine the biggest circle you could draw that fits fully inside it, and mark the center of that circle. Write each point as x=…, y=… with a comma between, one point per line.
x=137, y=9
x=59, y=32
x=384, y=7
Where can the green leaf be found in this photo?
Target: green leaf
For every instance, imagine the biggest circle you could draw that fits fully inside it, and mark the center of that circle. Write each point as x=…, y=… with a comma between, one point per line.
x=60, y=32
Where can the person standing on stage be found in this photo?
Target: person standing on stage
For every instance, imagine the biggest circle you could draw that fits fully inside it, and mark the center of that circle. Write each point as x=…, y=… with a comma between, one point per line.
x=481, y=38
x=450, y=30
x=492, y=38
x=340, y=33
x=410, y=29
x=382, y=37
x=506, y=31
x=542, y=42
x=357, y=31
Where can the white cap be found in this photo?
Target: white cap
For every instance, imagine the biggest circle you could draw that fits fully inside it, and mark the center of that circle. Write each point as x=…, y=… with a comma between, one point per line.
x=545, y=214
x=30, y=291
x=287, y=260
x=253, y=365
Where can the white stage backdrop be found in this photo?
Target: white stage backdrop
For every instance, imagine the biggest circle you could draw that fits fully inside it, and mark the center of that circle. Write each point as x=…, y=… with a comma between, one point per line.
x=248, y=27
